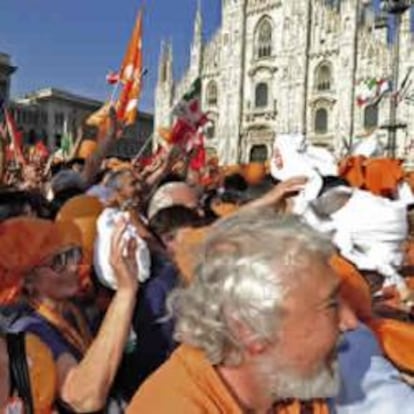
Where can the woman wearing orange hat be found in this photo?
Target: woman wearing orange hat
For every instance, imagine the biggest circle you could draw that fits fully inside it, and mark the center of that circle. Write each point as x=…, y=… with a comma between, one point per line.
x=38, y=263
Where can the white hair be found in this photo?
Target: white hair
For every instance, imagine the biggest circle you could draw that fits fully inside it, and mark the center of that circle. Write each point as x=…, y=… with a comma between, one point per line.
x=245, y=267
x=163, y=198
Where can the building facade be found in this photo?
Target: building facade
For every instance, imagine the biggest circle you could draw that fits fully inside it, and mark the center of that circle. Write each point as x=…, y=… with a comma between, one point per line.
x=6, y=70
x=49, y=114
x=278, y=67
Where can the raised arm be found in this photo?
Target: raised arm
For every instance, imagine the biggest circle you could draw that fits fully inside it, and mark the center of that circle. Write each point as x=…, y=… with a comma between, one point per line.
x=93, y=162
x=85, y=386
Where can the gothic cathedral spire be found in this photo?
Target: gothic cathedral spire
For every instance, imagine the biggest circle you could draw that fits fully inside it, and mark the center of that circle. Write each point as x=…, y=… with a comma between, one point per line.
x=197, y=44
x=165, y=66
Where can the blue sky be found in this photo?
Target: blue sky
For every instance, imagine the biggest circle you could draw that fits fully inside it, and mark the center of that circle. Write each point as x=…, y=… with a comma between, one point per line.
x=73, y=44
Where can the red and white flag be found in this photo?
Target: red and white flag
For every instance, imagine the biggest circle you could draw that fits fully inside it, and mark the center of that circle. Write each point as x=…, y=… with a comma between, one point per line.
x=16, y=137
x=130, y=76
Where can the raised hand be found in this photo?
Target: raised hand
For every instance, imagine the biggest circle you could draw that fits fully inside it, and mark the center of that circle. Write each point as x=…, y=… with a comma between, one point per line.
x=116, y=127
x=284, y=189
x=123, y=257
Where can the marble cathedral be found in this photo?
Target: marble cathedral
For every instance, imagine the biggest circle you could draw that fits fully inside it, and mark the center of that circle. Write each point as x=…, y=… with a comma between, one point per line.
x=288, y=66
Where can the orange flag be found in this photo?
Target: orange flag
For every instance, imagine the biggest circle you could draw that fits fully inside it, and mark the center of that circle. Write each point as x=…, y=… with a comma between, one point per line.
x=130, y=76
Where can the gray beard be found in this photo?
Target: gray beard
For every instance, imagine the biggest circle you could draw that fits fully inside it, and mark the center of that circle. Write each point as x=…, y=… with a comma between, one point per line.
x=282, y=383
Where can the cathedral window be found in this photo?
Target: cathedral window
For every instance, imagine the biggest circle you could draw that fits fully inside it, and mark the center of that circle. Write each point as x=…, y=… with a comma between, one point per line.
x=371, y=116
x=323, y=78
x=258, y=153
x=212, y=94
x=321, y=121
x=262, y=95
x=264, y=37
x=211, y=130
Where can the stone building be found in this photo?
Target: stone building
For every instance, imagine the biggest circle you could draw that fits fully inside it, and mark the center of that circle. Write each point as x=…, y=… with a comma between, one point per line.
x=278, y=66
x=6, y=70
x=50, y=113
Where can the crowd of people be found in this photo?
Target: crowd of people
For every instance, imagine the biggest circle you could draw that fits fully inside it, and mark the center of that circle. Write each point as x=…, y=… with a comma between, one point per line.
x=283, y=288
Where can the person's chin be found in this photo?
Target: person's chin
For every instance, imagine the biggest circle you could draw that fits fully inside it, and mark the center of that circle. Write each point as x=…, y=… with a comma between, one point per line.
x=325, y=383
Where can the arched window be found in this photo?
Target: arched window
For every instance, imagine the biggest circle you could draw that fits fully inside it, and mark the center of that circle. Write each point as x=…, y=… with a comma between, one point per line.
x=258, y=153
x=321, y=121
x=323, y=78
x=212, y=94
x=371, y=116
x=262, y=95
x=264, y=37
x=210, y=130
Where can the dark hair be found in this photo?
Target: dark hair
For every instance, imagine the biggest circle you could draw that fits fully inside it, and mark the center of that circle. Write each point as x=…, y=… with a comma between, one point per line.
x=56, y=168
x=171, y=178
x=259, y=190
x=173, y=218
x=14, y=203
x=101, y=174
x=235, y=182
x=74, y=161
x=61, y=197
x=332, y=181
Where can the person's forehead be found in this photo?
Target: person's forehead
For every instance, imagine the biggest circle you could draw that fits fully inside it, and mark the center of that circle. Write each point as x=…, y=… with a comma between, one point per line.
x=311, y=278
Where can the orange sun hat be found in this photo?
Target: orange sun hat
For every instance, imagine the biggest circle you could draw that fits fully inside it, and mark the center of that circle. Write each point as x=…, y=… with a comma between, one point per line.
x=83, y=211
x=24, y=244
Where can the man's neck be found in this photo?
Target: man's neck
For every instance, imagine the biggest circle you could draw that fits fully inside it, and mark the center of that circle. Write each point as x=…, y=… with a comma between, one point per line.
x=249, y=395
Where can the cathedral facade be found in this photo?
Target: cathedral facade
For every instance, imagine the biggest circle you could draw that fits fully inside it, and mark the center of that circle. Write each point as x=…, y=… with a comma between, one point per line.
x=289, y=66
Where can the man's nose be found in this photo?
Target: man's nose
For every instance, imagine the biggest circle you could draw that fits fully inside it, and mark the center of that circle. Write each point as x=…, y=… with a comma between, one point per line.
x=347, y=318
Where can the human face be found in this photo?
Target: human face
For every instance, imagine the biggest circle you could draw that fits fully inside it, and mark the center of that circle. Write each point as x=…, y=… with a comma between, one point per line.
x=57, y=278
x=302, y=362
x=129, y=187
x=32, y=175
x=277, y=158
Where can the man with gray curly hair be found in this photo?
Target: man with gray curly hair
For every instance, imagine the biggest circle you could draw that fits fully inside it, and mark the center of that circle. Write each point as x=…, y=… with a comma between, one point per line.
x=259, y=324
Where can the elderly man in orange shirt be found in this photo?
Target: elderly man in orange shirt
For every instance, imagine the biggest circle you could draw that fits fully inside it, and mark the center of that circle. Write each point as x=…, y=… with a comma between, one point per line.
x=259, y=324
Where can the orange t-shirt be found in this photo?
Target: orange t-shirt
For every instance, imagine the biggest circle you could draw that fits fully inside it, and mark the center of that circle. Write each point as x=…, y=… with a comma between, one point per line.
x=188, y=384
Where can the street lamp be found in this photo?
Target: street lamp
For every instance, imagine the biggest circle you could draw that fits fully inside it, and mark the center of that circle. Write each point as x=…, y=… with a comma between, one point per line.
x=396, y=8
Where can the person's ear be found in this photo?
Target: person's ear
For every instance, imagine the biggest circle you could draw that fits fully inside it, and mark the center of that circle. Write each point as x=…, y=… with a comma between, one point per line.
x=248, y=339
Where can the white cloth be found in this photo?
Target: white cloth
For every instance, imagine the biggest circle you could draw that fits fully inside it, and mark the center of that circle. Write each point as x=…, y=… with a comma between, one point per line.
x=369, y=147
x=293, y=156
x=102, y=249
x=370, y=232
x=405, y=194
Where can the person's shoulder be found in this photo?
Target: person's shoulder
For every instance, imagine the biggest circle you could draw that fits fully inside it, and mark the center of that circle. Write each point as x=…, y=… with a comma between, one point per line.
x=150, y=399
x=171, y=386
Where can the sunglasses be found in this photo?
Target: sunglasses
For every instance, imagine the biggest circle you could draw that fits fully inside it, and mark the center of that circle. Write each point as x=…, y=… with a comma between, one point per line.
x=62, y=260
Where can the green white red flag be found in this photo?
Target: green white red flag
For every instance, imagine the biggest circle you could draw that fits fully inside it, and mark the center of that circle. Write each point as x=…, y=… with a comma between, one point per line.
x=189, y=109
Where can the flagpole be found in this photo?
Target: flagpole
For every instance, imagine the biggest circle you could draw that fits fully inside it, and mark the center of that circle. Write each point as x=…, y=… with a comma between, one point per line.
x=113, y=93
x=143, y=148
